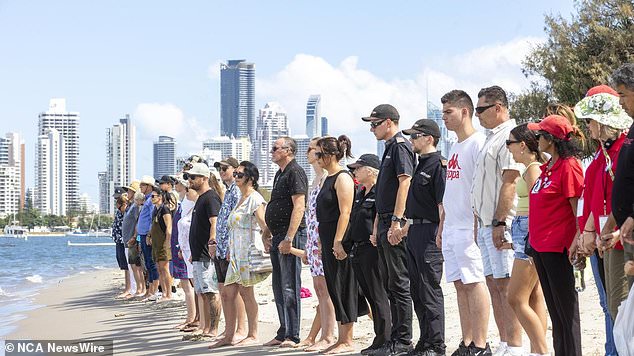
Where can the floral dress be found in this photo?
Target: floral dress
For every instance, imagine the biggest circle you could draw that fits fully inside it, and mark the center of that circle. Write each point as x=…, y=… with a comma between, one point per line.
x=312, y=232
x=243, y=237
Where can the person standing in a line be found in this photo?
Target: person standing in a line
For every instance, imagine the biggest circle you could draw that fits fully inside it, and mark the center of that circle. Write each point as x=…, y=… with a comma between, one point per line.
x=423, y=234
x=463, y=259
x=397, y=168
x=143, y=229
x=493, y=200
x=202, y=242
x=285, y=219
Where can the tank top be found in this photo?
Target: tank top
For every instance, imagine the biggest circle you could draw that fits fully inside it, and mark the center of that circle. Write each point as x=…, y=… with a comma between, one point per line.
x=327, y=203
x=522, y=191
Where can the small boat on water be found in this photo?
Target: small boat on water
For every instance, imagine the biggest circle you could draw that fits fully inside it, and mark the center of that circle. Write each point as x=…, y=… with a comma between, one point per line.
x=16, y=231
x=77, y=233
x=90, y=243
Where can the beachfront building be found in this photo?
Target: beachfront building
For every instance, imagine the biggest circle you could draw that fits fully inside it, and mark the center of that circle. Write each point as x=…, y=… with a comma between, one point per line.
x=104, y=192
x=324, y=126
x=238, y=148
x=211, y=156
x=121, y=158
x=164, y=156
x=237, y=99
x=302, y=147
x=313, y=116
x=66, y=126
x=447, y=138
x=50, y=174
x=272, y=123
x=12, y=173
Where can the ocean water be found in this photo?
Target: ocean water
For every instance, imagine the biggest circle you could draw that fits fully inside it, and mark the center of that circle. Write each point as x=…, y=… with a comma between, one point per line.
x=32, y=265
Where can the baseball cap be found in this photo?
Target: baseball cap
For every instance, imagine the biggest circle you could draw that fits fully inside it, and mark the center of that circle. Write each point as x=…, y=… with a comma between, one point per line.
x=556, y=125
x=383, y=112
x=229, y=161
x=166, y=179
x=118, y=192
x=366, y=159
x=602, y=89
x=199, y=169
x=426, y=126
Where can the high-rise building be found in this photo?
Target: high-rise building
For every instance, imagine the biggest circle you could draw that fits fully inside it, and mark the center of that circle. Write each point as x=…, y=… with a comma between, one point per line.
x=104, y=192
x=380, y=148
x=164, y=156
x=237, y=98
x=313, y=116
x=121, y=157
x=238, y=148
x=272, y=123
x=303, y=141
x=66, y=124
x=447, y=139
x=50, y=174
x=11, y=174
x=211, y=156
x=324, y=126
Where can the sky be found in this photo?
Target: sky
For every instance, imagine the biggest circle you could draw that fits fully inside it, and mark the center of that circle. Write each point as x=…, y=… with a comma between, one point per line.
x=159, y=62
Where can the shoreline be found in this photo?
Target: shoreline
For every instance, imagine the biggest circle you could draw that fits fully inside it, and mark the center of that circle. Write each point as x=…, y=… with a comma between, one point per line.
x=82, y=306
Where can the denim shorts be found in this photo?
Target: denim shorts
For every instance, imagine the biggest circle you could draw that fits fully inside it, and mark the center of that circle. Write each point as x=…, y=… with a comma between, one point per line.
x=496, y=263
x=519, y=231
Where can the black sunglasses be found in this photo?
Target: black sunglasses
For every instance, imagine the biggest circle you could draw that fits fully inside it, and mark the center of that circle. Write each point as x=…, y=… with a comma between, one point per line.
x=275, y=148
x=375, y=124
x=481, y=109
x=155, y=196
x=238, y=175
x=539, y=134
x=188, y=176
x=415, y=136
x=510, y=142
x=224, y=168
x=320, y=155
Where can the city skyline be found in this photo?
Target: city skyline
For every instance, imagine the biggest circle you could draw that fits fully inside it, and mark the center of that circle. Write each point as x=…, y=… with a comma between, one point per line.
x=172, y=87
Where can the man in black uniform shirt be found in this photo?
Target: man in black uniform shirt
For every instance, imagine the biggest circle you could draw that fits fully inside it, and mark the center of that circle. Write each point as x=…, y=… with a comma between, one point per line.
x=363, y=254
x=623, y=188
x=397, y=167
x=425, y=217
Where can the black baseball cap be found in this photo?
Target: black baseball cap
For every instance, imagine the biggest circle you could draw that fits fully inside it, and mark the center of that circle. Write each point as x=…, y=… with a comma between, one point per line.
x=166, y=179
x=118, y=192
x=383, y=112
x=367, y=159
x=426, y=126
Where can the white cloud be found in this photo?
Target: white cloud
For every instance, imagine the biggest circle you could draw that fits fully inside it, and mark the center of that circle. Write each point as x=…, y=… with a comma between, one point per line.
x=349, y=92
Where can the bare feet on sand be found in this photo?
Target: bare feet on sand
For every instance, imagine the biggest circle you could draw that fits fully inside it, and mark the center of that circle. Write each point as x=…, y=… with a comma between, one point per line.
x=288, y=343
x=273, y=342
x=123, y=295
x=320, y=345
x=248, y=341
x=164, y=299
x=304, y=343
x=338, y=348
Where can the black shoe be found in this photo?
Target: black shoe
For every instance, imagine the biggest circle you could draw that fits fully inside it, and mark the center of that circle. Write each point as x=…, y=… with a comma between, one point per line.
x=432, y=352
x=399, y=349
x=370, y=349
x=173, y=289
x=476, y=351
x=383, y=350
x=462, y=350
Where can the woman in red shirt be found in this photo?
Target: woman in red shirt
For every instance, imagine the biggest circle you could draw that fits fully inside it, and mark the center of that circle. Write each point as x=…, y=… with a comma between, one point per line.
x=552, y=226
x=607, y=122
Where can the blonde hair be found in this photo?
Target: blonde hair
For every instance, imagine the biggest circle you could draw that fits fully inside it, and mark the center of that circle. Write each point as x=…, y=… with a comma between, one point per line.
x=217, y=186
x=564, y=110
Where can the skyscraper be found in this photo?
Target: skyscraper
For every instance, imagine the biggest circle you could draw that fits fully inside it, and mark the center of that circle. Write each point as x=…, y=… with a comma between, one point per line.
x=66, y=126
x=51, y=187
x=121, y=157
x=446, y=138
x=313, y=116
x=324, y=126
x=17, y=159
x=11, y=174
x=104, y=192
x=164, y=156
x=272, y=123
x=303, y=141
x=237, y=98
x=238, y=148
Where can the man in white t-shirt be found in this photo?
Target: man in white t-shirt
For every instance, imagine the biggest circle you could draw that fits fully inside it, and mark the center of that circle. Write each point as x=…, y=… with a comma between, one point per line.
x=463, y=261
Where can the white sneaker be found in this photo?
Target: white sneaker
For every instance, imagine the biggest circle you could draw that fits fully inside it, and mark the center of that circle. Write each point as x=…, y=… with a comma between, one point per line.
x=501, y=350
x=515, y=351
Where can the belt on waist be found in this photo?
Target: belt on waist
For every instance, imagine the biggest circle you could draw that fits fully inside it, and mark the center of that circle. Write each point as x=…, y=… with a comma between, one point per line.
x=385, y=216
x=419, y=221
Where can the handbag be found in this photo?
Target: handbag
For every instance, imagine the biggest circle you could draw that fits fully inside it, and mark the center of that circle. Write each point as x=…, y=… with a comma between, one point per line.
x=259, y=262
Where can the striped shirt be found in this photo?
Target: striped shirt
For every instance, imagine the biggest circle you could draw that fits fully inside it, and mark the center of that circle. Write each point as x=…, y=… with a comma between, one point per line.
x=493, y=160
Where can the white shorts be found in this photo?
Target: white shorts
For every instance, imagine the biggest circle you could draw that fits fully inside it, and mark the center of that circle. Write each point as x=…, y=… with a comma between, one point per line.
x=463, y=260
x=498, y=263
x=205, y=277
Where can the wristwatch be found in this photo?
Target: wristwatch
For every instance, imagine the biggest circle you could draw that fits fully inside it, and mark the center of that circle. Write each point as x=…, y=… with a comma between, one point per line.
x=287, y=238
x=397, y=219
x=496, y=223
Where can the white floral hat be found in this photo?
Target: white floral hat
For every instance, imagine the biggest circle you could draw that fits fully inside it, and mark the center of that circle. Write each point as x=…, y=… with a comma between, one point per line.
x=605, y=109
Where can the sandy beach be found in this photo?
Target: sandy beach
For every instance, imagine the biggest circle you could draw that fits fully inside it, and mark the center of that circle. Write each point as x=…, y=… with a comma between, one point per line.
x=83, y=306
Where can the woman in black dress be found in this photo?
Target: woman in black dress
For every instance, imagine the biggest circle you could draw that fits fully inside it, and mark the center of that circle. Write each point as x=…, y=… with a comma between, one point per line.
x=334, y=204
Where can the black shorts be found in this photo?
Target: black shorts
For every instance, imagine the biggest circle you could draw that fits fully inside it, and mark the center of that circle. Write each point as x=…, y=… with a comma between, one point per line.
x=121, y=257
x=221, y=265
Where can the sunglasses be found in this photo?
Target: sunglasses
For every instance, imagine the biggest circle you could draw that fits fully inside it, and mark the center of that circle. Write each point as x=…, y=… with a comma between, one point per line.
x=188, y=176
x=510, y=142
x=238, y=175
x=155, y=196
x=481, y=109
x=320, y=155
x=224, y=168
x=275, y=148
x=375, y=124
x=539, y=134
x=415, y=136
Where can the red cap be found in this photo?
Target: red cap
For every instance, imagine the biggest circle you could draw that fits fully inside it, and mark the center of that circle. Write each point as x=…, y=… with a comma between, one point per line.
x=556, y=125
x=601, y=89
